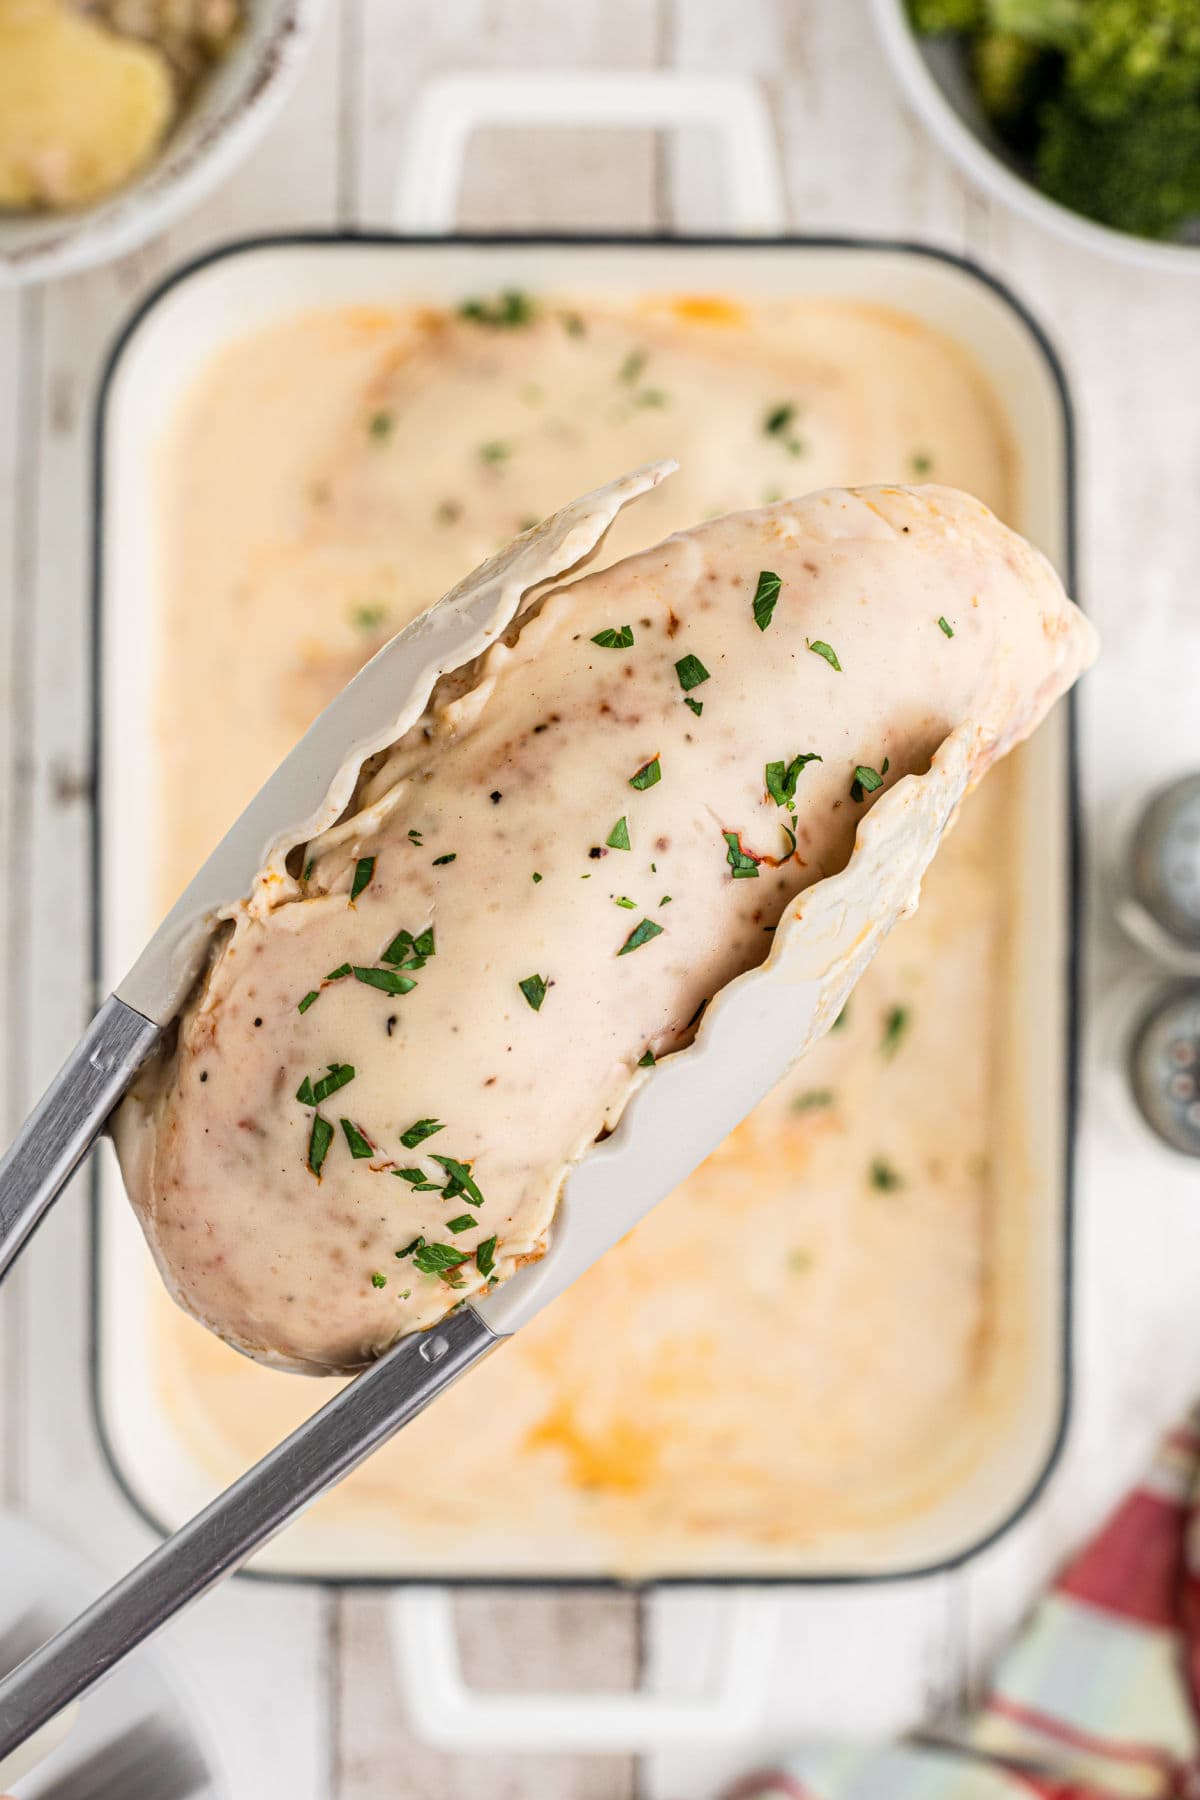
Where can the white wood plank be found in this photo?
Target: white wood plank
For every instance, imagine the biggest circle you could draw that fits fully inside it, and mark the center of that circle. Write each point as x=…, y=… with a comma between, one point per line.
x=255, y=1655
x=518, y=1643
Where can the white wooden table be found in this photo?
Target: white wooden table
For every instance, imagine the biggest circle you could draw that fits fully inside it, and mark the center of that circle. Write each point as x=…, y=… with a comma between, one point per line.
x=299, y=1684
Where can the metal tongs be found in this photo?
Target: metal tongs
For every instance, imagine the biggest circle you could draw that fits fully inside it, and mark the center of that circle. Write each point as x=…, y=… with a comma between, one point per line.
x=756, y=1028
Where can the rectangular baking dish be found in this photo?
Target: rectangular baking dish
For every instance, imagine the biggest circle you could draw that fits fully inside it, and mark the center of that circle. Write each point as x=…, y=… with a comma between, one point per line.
x=243, y=287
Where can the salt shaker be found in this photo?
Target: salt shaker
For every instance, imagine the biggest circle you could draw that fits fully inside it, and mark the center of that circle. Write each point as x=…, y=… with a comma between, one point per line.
x=1164, y=1066
x=1160, y=907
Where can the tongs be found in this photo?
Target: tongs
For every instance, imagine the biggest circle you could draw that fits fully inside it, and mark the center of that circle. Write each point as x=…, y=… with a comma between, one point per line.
x=752, y=1033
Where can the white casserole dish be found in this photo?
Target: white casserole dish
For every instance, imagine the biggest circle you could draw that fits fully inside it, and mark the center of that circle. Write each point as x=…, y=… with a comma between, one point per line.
x=176, y=332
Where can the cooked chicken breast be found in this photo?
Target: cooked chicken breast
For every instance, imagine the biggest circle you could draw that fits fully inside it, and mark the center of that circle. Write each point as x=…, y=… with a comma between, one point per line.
x=388, y=1068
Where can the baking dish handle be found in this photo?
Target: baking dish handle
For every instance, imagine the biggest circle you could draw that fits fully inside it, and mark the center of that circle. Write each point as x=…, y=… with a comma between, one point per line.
x=446, y=1713
x=452, y=107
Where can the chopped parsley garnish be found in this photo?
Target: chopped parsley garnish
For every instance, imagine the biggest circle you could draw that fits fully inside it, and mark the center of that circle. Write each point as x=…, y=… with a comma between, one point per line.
x=309, y=866
x=311, y=1093
x=842, y=1019
x=364, y=868
x=618, y=837
x=884, y=1176
x=307, y=1000
x=866, y=780
x=485, y=1256
x=641, y=934
x=697, y=706
x=505, y=310
x=646, y=1060
x=778, y=419
x=388, y=981
x=497, y=451
x=438, y=1259
x=691, y=672
x=460, y=1181
x=819, y=648
x=380, y=425
x=765, y=596
x=418, y=1180
x=359, y=1145
x=650, y=397
x=895, y=1024
x=946, y=626
x=449, y=858
x=536, y=876
x=811, y=1099
x=418, y=837
x=632, y=367
x=319, y=1140
x=339, y=974
x=744, y=867
x=648, y=775
x=781, y=777
x=534, y=989
x=626, y=902
x=464, y=1222
x=368, y=617
x=921, y=462
x=416, y=1134
x=614, y=637
x=409, y=1248
x=378, y=1280
x=408, y=952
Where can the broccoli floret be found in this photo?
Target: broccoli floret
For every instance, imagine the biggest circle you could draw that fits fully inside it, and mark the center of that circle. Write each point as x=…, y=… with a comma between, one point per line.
x=1128, y=54
x=1140, y=174
x=1052, y=23
x=931, y=18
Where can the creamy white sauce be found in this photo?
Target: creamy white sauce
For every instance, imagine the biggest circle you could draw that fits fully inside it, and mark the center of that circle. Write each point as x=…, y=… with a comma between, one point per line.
x=277, y=607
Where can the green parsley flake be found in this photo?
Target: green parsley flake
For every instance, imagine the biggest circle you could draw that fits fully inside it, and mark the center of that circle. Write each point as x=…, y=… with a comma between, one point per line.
x=895, y=1024
x=866, y=781
x=409, y=1248
x=311, y=1093
x=339, y=974
x=618, y=837
x=842, y=1019
x=418, y=1179
x=778, y=419
x=364, y=868
x=464, y=1222
x=632, y=367
x=309, y=866
x=359, y=1145
x=884, y=1176
x=460, y=1181
x=534, y=989
x=691, y=672
x=812, y=1099
x=781, y=777
x=485, y=1256
x=819, y=648
x=614, y=638
x=497, y=451
x=921, y=462
x=641, y=934
x=536, y=876
x=946, y=626
x=505, y=310
x=388, y=981
x=648, y=775
x=625, y=901
x=380, y=425
x=319, y=1141
x=697, y=706
x=438, y=1259
x=378, y=1280
x=307, y=1000
x=449, y=858
x=647, y=1060
x=416, y=1134
x=744, y=867
x=408, y=952
x=765, y=596
x=368, y=617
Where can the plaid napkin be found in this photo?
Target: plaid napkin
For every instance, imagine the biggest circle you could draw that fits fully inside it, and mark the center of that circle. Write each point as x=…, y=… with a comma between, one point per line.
x=1099, y=1696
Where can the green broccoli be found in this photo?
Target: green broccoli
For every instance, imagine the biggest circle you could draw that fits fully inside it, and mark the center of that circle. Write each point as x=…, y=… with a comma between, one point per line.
x=1128, y=54
x=1139, y=174
x=932, y=18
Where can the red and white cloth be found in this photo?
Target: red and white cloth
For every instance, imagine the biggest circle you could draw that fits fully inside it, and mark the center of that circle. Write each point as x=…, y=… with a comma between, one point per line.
x=1098, y=1698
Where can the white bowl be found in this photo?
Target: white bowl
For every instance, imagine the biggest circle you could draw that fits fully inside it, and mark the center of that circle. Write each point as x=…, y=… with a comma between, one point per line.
x=229, y=112
x=932, y=75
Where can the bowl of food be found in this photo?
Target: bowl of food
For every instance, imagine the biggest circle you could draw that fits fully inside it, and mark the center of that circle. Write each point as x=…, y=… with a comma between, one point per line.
x=1082, y=114
x=115, y=115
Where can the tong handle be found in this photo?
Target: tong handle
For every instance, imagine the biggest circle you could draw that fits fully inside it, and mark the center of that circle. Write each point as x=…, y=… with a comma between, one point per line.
x=218, y=1540
x=67, y=1120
